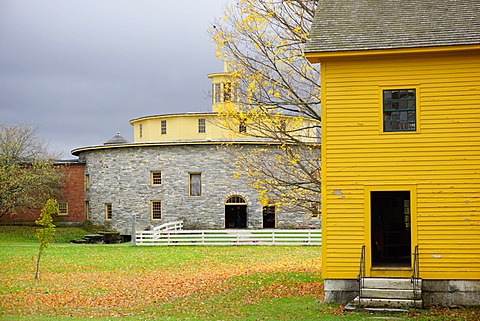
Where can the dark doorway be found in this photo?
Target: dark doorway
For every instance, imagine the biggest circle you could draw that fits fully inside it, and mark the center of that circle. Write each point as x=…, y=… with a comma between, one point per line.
x=391, y=236
x=269, y=217
x=235, y=212
x=235, y=216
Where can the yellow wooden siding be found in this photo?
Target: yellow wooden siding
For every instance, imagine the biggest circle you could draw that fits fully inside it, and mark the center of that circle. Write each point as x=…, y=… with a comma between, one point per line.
x=179, y=127
x=442, y=158
x=184, y=127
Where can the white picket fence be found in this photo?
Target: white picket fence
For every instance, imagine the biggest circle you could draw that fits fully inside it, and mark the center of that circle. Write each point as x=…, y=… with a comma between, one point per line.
x=164, y=237
x=172, y=226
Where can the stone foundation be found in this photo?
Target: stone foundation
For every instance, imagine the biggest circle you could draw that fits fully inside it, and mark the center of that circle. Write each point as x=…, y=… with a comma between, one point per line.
x=447, y=293
x=340, y=291
x=451, y=293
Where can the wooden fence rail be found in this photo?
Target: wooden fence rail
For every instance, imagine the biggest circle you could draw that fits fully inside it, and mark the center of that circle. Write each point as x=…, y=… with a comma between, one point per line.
x=228, y=237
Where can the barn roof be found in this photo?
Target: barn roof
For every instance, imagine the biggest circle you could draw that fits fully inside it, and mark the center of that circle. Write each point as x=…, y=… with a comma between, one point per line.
x=352, y=25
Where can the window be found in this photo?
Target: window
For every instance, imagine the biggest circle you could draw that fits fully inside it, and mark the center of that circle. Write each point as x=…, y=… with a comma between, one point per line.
x=227, y=92
x=156, y=210
x=87, y=181
x=399, y=110
x=156, y=177
x=216, y=93
x=62, y=208
x=195, y=184
x=235, y=200
x=315, y=209
x=108, y=211
x=163, y=127
x=201, y=126
x=87, y=210
x=140, y=129
x=242, y=127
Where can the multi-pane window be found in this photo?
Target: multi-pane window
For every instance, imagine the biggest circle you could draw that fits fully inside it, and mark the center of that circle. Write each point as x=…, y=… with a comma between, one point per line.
x=195, y=184
x=140, y=129
x=163, y=127
x=156, y=210
x=108, y=211
x=201, y=125
x=227, y=92
x=217, y=93
x=406, y=214
x=315, y=209
x=62, y=208
x=223, y=93
x=156, y=177
x=399, y=110
x=242, y=127
x=235, y=200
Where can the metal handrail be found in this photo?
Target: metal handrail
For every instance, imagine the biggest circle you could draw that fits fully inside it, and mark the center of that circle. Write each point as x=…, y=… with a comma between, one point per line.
x=361, y=275
x=415, y=275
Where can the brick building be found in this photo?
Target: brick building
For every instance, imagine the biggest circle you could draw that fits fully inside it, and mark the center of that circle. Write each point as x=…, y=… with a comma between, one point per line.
x=71, y=202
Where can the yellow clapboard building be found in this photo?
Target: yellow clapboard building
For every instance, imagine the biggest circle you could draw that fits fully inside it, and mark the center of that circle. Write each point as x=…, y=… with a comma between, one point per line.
x=400, y=145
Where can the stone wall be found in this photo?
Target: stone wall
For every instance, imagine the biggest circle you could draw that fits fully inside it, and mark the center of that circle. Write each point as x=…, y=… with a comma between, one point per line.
x=121, y=176
x=451, y=293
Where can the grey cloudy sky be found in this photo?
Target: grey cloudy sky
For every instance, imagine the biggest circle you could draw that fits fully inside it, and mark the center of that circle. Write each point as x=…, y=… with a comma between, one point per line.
x=81, y=69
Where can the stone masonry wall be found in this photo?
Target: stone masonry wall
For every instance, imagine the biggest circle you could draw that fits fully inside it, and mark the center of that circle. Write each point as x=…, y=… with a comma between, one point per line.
x=121, y=176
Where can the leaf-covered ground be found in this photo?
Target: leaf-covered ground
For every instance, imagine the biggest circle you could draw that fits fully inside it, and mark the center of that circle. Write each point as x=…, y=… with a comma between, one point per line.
x=120, y=281
x=113, y=282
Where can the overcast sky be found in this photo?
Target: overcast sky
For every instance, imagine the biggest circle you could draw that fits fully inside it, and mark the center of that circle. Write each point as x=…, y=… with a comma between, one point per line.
x=81, y=69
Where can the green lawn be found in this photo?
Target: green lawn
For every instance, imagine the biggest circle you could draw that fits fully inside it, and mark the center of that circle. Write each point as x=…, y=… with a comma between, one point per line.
x=26, y=234
x=120, y=282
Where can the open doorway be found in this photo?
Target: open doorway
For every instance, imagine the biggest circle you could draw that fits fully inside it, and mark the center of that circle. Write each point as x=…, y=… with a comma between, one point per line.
x=391, y=229
x=236, y=212
x=269, y=218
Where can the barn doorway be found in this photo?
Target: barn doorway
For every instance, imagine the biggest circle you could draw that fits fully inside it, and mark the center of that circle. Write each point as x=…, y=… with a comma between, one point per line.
x=391, y=229
x=236, y=212
x=269, y=217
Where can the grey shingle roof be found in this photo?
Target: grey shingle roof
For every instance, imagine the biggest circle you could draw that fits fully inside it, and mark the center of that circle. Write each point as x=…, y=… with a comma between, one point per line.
x=116, y=140
x=344, y=25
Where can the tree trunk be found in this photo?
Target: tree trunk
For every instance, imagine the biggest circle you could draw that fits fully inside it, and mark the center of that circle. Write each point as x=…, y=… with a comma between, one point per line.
x=37, y=272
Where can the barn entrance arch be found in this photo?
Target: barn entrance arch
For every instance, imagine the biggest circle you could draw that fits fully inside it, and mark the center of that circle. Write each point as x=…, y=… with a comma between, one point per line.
x=236, y=212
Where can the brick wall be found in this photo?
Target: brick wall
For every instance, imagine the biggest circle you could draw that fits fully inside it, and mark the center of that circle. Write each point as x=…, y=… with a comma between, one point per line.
x=73, y=193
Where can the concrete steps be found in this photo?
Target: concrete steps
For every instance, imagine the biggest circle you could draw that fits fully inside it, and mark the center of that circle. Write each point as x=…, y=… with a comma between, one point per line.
x=389, y=293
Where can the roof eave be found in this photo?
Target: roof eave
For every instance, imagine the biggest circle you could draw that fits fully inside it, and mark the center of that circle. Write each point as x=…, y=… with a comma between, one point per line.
x=77, y=151
x=187, y=114
x=316, y=57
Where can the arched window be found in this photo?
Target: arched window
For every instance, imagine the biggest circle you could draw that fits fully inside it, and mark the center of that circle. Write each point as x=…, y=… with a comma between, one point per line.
x=236, y=200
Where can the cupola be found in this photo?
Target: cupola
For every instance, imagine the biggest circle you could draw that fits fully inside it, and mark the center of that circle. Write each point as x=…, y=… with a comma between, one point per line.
x=116, y=140
x=223, y=88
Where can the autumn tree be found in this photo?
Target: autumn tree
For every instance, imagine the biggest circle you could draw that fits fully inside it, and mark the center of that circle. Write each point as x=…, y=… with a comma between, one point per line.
x=27, y=175
x=261, y=43
x=47, y=231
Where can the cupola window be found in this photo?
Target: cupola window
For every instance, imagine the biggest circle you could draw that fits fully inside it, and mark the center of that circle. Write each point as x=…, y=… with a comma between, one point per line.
x=163, y=127
x=227, y=92
x=217, y=93
x=201, y=126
